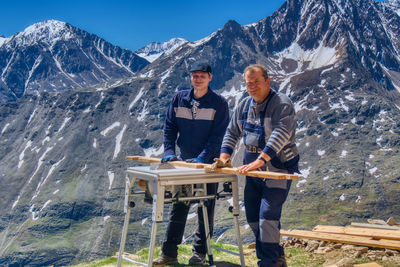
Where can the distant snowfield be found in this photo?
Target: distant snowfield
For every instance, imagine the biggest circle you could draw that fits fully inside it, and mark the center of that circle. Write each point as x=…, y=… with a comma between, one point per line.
x=319, y=57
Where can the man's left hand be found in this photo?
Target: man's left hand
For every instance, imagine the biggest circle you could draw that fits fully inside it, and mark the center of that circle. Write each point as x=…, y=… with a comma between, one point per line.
x=251, y=166
x=195, y=160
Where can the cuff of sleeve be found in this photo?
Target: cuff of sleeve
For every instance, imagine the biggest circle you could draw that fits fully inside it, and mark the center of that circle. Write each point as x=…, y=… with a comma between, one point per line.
x=226, y=150
x=203, y=156
x=169, y=152
x=269, y=151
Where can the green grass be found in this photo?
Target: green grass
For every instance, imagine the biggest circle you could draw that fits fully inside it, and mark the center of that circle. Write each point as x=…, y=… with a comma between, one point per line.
x=295, y=257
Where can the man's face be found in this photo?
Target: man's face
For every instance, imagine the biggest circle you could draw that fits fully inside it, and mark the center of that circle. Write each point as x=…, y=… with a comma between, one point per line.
x=257, y=85
x=200, y=80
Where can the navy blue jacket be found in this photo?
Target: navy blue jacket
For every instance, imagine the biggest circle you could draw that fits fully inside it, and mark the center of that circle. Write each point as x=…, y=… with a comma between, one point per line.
x=199, y=136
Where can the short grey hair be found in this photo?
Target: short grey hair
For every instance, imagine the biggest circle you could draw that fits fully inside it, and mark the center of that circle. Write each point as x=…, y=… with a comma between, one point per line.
x=254, y=67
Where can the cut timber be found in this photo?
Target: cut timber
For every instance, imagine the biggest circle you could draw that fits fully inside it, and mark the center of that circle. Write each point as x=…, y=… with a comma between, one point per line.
x=367, y=232
x=371, y=264
x=259, y=174
x=375, y=226
x=174, y=163
x=340, y=238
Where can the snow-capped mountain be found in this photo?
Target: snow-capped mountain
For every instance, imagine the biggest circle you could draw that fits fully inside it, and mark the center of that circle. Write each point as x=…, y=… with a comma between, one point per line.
x=156, y=50
x=53, y=56
x=394, y=4
x=62, y=154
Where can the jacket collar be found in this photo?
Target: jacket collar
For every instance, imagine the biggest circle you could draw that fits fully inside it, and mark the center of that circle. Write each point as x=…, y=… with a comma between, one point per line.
x=190, y=95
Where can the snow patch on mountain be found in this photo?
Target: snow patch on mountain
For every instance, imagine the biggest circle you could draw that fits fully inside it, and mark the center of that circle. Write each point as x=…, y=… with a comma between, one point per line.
x=110, y=128
x=152, y=151
x=110, y=179
x=118, y=140
x=138, y=96
x=319, y=57
x=3, y=40
x=22, y=155
x=155, y=50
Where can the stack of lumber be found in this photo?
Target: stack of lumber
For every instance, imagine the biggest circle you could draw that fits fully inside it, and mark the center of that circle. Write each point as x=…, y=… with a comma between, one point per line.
x=366, y=234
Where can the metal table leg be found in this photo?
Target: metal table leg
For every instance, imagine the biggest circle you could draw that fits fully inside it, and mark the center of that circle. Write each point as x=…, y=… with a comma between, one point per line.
x=236, y=210
x=157, y=216
x=127, y=211
x=207, y=233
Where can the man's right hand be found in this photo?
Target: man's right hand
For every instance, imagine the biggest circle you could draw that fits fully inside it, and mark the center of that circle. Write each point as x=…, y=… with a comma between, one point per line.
x=169, y=158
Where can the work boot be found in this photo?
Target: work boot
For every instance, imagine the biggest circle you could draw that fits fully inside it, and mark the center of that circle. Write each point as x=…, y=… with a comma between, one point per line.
x=197, y=258
x=164, y=259
x=281, y=262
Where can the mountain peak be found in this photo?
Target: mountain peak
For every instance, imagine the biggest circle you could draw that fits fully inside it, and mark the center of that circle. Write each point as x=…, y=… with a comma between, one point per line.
x=49, y=31
x=154, y=50
x=393, y=4
x=2, y=40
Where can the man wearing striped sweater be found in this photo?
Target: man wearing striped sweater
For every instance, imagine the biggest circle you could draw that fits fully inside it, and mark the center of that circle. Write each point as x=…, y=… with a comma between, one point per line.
x=266, y=121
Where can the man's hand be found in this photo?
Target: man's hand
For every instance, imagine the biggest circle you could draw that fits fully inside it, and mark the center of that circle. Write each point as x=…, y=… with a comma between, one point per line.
x=195, y=160
x=169, y=158
x=219, y=163
x=255, y=164
x=224, y=160
x=251, y=166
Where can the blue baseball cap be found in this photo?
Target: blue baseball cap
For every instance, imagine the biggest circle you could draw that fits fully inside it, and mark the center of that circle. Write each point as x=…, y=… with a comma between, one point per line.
x=200, y=66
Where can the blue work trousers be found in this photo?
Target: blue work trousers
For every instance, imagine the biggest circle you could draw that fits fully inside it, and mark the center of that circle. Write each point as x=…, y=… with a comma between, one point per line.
x=263, y=199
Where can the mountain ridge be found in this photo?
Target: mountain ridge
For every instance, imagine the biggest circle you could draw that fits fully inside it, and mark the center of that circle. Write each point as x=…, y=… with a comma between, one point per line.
x=54, y=55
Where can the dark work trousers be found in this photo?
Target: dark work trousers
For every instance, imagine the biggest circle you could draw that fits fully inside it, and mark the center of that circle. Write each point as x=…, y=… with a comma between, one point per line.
x=263, y=200
x=177, y=222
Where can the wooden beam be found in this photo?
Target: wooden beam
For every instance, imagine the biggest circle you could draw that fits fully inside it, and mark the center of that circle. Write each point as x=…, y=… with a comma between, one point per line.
x=371, y=264
x=259, y=174
x=376, y=226
x=356, y=231
x=346, y=239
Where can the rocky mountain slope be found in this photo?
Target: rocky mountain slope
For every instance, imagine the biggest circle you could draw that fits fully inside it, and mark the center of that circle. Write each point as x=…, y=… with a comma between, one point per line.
x=62, y=153
x=54, y=55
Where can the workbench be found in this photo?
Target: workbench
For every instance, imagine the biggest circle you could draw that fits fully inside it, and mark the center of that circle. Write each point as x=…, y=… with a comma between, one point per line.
x=161, y=181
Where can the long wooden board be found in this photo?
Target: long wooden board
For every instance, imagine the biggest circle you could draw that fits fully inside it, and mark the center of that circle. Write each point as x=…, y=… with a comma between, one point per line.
x=375, y=226
x=356, y=231
x=340, y=238
x=259, y=174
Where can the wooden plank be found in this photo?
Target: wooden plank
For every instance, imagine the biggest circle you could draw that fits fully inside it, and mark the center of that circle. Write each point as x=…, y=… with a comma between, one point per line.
x=173, y=163
x=371, y=264
x=259, y=174
x=348, y=230
x=340, y=238
x=375, y=226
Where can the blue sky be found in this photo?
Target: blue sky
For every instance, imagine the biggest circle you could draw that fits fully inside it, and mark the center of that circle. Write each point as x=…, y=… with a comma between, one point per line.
x=134, y=24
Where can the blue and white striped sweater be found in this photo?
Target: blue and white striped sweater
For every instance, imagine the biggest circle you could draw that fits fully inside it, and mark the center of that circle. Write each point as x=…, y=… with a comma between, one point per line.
x=199, y=135
x=279, y=126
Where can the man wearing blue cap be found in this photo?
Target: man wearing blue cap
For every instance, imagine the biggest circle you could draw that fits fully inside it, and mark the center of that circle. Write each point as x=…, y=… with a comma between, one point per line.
x=196, y=121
